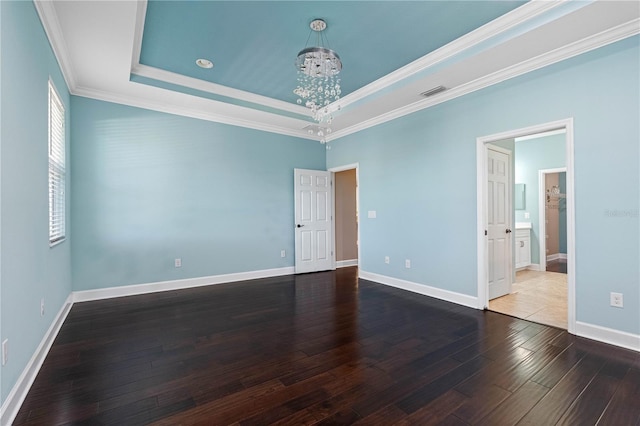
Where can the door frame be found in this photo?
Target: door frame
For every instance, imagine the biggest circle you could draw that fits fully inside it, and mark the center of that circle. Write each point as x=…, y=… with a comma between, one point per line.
x=542, y=215
x=333, y=171
x=481, y=163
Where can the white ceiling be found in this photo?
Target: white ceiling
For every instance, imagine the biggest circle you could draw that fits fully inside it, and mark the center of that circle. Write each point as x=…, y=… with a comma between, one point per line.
x=98, y=46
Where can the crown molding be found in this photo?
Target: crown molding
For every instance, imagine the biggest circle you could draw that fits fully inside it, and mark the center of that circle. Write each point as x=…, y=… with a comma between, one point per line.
x=216, y=89
x=134, y=101
x=494, y=28
x=233, y=113
x=587, y=44
x=194, y=83
x=49, y=19
x=141, y=14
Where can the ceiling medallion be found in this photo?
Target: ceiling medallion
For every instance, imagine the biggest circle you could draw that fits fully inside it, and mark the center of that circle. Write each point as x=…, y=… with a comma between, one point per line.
x=318, y=82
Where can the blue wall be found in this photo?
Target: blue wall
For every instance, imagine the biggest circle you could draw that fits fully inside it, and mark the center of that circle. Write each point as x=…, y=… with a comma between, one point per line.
x=419, y=173
x=31, y=270
x=532, y=155
x=150, y=187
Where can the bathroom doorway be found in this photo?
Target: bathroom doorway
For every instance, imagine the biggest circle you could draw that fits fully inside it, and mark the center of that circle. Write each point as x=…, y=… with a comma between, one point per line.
x=537, y=295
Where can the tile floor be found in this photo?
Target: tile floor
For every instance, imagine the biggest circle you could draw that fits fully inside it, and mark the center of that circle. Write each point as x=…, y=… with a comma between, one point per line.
x=536, y=296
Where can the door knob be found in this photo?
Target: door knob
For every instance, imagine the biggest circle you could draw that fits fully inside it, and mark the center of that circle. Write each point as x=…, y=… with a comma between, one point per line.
x=299, y=226
x=508, y=231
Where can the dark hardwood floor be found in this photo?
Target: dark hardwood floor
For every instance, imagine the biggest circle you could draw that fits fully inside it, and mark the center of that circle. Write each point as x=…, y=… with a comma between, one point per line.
x=322, y=348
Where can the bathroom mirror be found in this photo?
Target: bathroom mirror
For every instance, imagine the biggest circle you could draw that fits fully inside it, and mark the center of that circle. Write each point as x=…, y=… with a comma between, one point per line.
x=519, y=196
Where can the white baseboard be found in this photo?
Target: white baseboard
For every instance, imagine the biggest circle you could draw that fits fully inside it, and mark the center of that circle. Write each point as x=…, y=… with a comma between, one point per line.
x=438, y=293
x=131, y=290
x=530, y=267
x=557, y=256
x=18, y=393
x=346, y=263
x=608, y=335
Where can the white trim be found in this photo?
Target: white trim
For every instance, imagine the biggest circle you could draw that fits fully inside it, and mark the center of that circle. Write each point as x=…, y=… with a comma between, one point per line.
x=346, y=263
x=518, y=16
x=182, y=110
x=608, y=335
x=534, y=267
x=579, y=47
x=481, y=160
x=194, y=83
x=541, y=135
x=512, y=19
x=19, y=391
x=438, y=293
x=556, y=256
x=496, y=27
x=542, y=213
x=51, y=24
x=217, y=89
x=141, y=15
x=131, y=290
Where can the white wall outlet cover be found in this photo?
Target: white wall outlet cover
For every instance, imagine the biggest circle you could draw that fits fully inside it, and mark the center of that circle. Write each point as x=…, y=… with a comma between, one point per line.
x=407, y=263
x=283, y=253
x=178, y=263
x=386, y=259
x=371, y=214
x=526, y=215
x=616, y=300
x=42, y=307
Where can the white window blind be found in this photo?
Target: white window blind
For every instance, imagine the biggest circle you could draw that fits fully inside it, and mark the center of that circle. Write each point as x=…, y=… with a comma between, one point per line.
x=57, y=168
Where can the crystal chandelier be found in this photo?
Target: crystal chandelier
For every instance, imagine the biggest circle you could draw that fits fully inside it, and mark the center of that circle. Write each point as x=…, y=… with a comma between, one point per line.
x=318, y=82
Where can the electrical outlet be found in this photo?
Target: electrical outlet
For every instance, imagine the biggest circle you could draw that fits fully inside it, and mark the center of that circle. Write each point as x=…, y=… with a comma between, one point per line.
x=616, y=300
x=407, y=263
x=283, y=253
x=42, y=307
x=386, y=260
x=178, y=263
x=5, y=351
x=526, y=215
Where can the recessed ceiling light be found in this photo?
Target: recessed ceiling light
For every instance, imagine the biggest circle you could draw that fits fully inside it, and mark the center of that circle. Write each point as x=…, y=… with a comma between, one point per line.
x=204, y=63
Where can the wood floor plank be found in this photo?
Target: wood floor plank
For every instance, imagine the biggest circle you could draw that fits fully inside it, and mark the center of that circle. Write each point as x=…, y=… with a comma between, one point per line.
x=618, y=411
x=323, y=348
x=516, y=406
x=558, y=400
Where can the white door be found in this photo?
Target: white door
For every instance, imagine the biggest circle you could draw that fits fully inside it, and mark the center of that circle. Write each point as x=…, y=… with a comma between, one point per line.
x=313, y=220
x=498, y=223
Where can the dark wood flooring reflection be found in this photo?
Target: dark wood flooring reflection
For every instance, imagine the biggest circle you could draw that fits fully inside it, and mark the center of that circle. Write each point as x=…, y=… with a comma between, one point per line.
x=322, y=348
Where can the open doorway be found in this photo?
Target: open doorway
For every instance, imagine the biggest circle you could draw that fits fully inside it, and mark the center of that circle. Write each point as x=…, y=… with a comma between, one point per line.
x=536, y=295
x=552, y=197
x=346, y=215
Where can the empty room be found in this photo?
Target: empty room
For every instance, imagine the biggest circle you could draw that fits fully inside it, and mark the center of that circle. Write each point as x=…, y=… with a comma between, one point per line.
x=320, y=212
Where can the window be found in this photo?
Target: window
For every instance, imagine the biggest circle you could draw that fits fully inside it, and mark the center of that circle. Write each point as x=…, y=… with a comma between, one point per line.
x=57, y=169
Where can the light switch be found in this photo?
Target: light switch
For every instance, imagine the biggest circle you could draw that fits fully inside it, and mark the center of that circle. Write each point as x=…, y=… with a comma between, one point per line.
x=371, y=214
